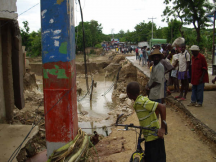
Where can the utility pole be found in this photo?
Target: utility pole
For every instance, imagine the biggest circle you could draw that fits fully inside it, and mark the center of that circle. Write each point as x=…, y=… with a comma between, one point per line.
x=152, y=25
x=59, y=72
x=112, y=32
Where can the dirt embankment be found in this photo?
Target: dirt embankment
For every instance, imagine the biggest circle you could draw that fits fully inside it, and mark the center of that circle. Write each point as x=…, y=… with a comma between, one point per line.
x=34, y=109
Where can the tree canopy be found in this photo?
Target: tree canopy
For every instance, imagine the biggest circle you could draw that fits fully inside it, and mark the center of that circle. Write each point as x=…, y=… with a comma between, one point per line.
x=189, y=12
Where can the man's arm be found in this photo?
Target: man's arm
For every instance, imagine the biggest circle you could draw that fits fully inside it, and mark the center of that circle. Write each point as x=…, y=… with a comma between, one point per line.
x=153, y=85
x=204, y=70
x=162, y=111
x=213, y=81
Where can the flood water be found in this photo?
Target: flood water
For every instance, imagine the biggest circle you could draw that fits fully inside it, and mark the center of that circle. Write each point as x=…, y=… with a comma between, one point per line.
x=98, y=108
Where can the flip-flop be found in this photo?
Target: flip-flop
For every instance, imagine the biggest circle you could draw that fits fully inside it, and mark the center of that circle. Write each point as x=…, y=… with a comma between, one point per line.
x=177, y=97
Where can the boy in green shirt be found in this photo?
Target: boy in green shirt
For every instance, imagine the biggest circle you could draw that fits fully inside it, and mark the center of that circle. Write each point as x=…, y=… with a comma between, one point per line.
x=147, y=111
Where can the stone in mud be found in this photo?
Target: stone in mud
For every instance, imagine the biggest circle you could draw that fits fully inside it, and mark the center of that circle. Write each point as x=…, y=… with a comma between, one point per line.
x=122, y=96
x=128, y=102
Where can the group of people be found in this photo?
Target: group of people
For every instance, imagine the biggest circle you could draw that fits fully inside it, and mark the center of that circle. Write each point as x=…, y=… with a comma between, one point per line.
x=174, y=66
x=142, y=55
x=169, y=64
x=124, y=49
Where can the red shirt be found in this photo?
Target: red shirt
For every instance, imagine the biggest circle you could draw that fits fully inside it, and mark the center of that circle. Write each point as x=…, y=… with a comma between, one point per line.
x=198, y=64
x=136, y=50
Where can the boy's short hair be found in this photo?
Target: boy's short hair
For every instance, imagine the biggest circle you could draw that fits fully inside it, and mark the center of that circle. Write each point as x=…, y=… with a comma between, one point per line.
x=133, y=88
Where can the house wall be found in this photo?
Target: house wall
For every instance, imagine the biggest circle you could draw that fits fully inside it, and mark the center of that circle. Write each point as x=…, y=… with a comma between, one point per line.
x=2, y=103
x=8, y=9
x=7, y=70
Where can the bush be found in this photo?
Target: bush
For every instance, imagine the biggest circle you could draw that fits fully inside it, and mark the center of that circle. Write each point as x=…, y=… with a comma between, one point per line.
x=98, y=45
x=92, y=51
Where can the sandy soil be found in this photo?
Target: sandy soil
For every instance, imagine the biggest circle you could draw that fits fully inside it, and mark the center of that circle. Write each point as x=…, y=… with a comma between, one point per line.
x=182, y=143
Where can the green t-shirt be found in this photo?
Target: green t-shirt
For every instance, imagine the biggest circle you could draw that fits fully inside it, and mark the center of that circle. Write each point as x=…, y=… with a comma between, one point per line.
x=145, y=110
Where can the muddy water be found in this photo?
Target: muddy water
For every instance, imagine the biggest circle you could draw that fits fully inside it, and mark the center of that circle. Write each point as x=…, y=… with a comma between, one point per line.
x=98, y=108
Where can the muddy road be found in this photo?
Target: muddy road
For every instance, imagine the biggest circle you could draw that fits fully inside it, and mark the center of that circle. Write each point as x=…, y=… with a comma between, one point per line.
x=182, y=143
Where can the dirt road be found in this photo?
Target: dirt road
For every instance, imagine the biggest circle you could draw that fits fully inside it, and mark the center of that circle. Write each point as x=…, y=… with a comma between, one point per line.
x=182, y=143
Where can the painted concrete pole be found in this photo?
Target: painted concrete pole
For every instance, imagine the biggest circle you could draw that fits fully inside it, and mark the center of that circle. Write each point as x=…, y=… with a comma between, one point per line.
x=59, y=72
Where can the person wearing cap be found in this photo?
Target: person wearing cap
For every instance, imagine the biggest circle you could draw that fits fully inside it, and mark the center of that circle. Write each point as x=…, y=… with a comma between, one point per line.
x=155, y=86
x=199, y=76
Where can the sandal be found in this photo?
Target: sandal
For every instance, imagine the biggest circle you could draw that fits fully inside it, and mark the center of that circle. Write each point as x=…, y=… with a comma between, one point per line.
x=177, y=97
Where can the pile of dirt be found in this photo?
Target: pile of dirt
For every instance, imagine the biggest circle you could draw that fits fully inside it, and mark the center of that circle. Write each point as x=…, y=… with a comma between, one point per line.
x=118, y=58
x=35, y=145
x=30, y=81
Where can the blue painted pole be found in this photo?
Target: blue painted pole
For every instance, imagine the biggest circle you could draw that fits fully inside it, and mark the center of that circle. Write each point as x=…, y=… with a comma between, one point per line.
x=59, y=72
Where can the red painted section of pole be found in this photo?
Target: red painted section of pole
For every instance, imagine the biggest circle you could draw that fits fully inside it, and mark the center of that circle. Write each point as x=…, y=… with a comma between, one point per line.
x=61, y=120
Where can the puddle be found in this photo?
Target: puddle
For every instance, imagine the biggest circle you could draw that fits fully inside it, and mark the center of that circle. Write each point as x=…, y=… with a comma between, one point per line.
x=98, y=108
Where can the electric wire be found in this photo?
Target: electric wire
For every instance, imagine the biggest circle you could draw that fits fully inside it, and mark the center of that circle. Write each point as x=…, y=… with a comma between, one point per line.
x=33, y=126
x=21, y=14
x=86, y=73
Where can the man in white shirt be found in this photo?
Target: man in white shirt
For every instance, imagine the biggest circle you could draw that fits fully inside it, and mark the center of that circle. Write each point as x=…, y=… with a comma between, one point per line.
x=183, y=74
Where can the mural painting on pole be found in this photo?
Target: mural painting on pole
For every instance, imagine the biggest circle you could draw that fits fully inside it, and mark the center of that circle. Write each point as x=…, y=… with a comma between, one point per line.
x=59, y=79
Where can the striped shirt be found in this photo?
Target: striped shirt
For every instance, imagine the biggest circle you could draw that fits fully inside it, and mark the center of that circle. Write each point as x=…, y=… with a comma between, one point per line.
x=145, y=110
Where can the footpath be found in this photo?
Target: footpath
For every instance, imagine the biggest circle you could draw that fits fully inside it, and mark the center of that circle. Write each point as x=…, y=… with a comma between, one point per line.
x=205, y=116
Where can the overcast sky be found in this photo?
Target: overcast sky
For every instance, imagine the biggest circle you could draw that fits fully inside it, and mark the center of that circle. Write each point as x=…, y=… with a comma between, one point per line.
x=112, y=14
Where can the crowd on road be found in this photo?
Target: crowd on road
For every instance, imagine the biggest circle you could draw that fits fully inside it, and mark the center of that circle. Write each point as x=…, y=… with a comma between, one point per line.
x=168, y=65
x=174, y=66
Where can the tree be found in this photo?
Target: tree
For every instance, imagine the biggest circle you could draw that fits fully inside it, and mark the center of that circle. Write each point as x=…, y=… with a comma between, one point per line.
x=189, y=11
x=172, y=31
x=35, y=43
x=93, y=34
x=25, y=35
x=144, y=31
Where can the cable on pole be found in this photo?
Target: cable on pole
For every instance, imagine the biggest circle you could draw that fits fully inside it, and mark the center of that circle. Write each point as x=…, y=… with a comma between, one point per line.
x=86, y=73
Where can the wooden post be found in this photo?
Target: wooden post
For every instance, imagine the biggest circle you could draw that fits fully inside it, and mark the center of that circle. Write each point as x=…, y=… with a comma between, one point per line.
x=92, y=87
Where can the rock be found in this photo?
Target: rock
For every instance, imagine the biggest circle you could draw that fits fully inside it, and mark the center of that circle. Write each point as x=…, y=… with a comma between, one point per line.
x=122, y=96
x=84, y=112
x=114, y=138
x=124, y=109
x=107, y=118
x=128, y=102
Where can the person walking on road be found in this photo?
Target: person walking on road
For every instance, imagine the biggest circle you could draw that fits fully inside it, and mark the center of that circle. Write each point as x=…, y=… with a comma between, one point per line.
x=183, y=74
x=199, y=76
x=144, y=56
x=155, y=86
x=137, y=53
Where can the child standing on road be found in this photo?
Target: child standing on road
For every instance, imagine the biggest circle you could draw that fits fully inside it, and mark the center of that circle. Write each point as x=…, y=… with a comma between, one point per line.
x=146, y=111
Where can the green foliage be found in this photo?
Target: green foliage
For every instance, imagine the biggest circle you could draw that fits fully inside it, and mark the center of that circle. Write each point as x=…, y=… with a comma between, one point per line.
x=35, y=48
x=173, y=30
x=93, y=34
x=92, y=51
x=32, y=40
x=25, y=35
x=98, y=45
x=188, y=12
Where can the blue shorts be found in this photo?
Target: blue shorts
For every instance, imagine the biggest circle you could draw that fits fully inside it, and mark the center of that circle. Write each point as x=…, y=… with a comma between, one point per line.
x=181, y=75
